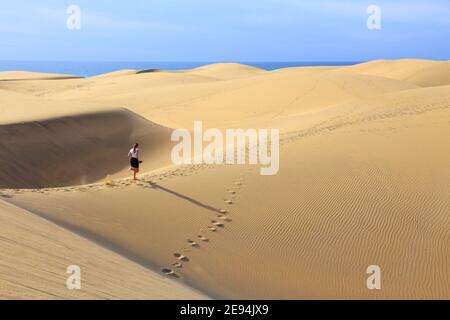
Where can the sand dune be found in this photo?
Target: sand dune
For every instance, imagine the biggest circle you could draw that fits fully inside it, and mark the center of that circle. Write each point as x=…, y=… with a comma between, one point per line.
x=120, y=73
x=36, y=253
x=25, y=75
x=272, y=96
x=69, y=150
x=363, y=179
x=227, y=71
x=107, y=85
x=424, y=73
x=226, y=103
x=17, y=107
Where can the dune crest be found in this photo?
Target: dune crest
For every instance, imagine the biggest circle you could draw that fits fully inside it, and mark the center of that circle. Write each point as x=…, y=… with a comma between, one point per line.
x=227, y=71
x=423, y=73
x=25, y=75
x=46, y=250
x=363, y=180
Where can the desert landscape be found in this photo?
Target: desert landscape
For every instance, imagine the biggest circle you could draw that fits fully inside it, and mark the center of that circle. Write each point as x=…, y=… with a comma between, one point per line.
x=364, y=179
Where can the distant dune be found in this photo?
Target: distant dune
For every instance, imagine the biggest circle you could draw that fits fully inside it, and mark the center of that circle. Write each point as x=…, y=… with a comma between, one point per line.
x=423, y=73
x=227, y=71
x=363, y=181
x=25, y=75
x=120, y=73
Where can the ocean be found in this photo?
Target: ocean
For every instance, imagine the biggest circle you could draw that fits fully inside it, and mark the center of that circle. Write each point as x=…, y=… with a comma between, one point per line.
x=92, y=68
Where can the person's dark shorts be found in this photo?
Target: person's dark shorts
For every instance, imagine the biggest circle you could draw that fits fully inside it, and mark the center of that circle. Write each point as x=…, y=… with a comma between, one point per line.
x=134, y=163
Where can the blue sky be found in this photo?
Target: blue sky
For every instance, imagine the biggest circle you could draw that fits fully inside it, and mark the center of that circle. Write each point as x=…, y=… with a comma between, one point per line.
x=216, y=30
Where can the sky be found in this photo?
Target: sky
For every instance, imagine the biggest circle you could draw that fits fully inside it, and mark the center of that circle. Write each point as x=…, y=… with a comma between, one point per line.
x=229, y=30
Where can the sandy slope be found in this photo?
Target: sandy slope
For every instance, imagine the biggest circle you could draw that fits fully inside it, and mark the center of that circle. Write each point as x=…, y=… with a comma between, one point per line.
x=77, y=149
x=25, y=75
x=424, y=73
x=363, y=179
x=219, y=103
x=18, y=107
x=36, y=253
x=119, y=73
x=227, y=71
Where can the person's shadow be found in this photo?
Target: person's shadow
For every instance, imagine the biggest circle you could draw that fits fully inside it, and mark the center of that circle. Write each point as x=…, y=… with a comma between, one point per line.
x=154, y=185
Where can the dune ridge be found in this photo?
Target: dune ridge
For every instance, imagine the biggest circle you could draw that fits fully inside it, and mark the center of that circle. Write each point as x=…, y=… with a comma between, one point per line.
x=25, y=75
x=68, y=150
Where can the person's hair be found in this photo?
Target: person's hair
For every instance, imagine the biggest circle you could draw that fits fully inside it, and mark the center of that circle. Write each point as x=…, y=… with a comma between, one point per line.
x=135, y=146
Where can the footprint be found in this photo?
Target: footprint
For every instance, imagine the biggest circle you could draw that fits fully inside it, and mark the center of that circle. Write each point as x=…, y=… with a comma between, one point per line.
x=223, y=211
x=232, y=191
x=212, y=229
x=224, y=218
x=203, y=238
x=177, y=265
x=181, y=257
x=228, y=201
x=169, y=272
x=193, y=243
x=217, y=224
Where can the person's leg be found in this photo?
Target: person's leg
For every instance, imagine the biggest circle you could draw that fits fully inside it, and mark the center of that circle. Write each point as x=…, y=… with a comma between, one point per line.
x=134, y=174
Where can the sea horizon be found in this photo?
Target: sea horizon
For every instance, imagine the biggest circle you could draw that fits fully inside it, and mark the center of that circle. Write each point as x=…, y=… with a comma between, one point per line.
x=93, y=68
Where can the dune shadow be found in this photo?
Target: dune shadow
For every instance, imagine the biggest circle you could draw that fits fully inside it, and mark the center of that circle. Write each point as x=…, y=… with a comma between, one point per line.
x=147, y=71
x=154, y=185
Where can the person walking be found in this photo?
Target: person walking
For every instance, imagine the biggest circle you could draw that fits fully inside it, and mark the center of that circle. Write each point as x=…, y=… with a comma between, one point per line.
x=133, y=155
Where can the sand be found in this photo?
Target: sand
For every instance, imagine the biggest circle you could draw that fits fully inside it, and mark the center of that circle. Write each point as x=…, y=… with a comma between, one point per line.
x=25, y=75
x=363, y=180
x=424, y=73
x=36, y=253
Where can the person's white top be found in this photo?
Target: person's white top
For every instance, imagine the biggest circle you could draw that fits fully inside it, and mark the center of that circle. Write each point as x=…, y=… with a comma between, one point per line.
x=133, y=153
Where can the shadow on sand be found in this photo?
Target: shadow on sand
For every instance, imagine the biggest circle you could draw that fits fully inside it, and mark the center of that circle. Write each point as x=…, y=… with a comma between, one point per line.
x=154, y=185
